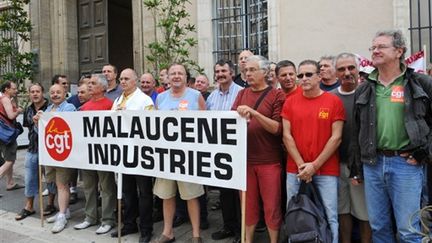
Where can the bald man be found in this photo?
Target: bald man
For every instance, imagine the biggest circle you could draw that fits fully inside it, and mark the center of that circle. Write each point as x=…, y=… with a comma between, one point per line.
x=148, y=84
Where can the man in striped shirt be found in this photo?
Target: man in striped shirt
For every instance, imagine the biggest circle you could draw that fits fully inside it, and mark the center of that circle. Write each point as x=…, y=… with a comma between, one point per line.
x=222, y=98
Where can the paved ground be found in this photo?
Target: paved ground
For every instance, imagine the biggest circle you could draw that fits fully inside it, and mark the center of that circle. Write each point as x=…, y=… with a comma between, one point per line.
x=30, y=230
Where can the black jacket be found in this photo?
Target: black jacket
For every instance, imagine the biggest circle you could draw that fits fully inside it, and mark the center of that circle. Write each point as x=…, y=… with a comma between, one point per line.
x=418, y=123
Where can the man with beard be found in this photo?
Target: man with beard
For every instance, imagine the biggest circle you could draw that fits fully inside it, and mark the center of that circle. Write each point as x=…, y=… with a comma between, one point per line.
x=351, y=195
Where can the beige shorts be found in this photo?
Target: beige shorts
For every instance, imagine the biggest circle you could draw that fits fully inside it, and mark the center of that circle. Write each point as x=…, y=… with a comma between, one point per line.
x=351, y=199
x=166, y=189
x=58, y=174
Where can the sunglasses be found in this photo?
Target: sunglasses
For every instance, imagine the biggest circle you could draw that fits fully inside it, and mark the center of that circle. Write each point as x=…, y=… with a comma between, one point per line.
x=301, y=75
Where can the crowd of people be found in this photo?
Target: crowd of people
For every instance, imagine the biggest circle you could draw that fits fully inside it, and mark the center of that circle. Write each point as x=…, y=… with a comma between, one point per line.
x=362, y=137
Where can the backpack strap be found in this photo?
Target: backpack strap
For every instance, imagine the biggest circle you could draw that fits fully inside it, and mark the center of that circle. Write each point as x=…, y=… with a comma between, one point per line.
x=263, y=95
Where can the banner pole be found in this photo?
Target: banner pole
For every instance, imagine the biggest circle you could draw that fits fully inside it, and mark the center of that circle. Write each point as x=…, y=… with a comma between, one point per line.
x=243, y=219
x=426, y=62
x=119, y=197
x=40, y=197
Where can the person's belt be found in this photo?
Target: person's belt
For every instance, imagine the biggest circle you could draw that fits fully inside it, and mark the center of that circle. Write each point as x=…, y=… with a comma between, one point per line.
x=392, y=153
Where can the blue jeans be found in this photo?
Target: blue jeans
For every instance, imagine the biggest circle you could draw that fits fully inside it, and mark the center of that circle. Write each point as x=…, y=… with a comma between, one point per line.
x=328, y=189
x=393, y=186
x=31, y=175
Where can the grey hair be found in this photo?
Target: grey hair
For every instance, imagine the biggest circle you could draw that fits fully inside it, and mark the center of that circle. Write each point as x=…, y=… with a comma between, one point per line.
x=327, y=57
x=398, y=40
x=346, y=55
x=263, y=63
x=101, y=79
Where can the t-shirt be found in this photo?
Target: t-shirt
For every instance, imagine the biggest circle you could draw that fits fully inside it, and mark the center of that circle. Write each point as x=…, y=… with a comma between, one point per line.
x=348, y=102
x=311, y=121
x=188, y=101
x=97, y=105
x=262, y=146
x=330, y=87
x=298, y=90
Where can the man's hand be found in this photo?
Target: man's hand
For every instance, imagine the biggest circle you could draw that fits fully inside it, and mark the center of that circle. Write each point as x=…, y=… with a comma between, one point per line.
x=245, y=111
x=409, y=158
x=37, y=117
x=306, y=171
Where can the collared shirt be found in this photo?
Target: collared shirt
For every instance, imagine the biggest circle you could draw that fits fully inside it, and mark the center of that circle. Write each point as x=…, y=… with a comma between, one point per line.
x=390, y=111
x=114, y=93
x=135, y=101
x=220, y=100
x=64, y=106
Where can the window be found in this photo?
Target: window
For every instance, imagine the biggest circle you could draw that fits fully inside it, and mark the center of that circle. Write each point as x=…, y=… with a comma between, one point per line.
x=421, y=26
x=239, y=25
x=7, y=67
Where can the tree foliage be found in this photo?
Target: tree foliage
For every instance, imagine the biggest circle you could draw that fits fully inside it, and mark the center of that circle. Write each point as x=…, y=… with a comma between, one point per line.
x=172, y=35
x=15, y=27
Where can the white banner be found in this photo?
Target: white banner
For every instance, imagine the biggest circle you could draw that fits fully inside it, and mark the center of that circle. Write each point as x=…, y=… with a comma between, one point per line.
x=203, y=147
x=417, y=62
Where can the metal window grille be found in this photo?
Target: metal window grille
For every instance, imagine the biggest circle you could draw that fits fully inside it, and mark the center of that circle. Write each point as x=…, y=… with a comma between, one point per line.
x=7, y=67
x=421, y=26
x=239, y=25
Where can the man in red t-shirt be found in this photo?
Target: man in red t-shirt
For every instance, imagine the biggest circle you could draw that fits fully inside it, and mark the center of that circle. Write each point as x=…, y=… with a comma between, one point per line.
x=312, y=132
x=97, y=87
x=287, y=77
x=263, y=147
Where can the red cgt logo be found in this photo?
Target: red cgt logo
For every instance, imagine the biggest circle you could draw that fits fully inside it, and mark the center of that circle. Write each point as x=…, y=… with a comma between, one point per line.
x=58, y=139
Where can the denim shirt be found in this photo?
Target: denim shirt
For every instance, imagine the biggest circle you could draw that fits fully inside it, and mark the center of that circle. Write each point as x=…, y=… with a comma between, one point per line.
x=418, y=119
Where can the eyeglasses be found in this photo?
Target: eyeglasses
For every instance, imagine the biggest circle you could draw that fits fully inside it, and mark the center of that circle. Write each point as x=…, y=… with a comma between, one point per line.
x=379, y=47
x=308, y=75
x=350, y=68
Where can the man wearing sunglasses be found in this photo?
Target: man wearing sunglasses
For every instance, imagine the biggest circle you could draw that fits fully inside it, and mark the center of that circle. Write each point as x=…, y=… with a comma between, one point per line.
x=392, y=139
x=312, y=131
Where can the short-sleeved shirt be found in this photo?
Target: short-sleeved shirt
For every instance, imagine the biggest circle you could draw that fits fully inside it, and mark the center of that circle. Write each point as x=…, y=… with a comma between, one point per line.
x=311, y=121
x=137, y=100
x=64, y=106
x=262, y=146
x=390, y=110
x=114, y=93
x=223, y=100
x=188, y=101
x=97, y=105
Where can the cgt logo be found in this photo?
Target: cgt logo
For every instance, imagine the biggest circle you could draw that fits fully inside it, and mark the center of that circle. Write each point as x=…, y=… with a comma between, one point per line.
x=58, y=139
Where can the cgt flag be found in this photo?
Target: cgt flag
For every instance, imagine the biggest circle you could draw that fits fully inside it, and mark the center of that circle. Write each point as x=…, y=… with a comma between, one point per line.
x=195, y=146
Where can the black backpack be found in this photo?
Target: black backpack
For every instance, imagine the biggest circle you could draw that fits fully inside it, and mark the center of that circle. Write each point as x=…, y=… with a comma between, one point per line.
x=305, y=219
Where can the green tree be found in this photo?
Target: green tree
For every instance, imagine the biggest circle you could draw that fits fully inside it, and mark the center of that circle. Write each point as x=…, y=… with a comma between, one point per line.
x=15, y=27
x=172, y=31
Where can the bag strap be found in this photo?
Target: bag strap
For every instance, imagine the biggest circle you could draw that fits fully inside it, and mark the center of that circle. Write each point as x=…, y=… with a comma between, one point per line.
x=263, y=95
x=310, y=191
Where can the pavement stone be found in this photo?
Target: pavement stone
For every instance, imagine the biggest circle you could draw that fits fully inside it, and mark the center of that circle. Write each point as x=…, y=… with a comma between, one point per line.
x=30, y=230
